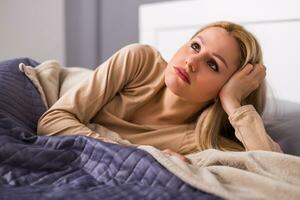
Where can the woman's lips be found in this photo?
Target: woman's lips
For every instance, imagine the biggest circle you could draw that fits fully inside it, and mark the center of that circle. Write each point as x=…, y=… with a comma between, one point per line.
x=182, y=74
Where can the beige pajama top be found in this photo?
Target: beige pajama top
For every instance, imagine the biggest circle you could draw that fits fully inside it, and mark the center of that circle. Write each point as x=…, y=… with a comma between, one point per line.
x=123, y=84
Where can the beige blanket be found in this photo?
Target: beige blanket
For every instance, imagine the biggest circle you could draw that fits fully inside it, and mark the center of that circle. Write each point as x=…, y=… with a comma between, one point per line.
x=230, y=175
x=238, y=175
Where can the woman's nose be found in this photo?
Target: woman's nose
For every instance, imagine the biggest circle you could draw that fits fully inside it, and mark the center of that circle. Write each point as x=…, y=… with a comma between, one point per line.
x=191, y=64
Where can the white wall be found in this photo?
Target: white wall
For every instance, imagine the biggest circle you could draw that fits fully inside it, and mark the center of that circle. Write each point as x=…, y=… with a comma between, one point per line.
x=32, y=28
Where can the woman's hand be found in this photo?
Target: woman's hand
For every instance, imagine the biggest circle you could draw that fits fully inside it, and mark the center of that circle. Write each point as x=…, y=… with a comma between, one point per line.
x=240, y=85
x=172, y=153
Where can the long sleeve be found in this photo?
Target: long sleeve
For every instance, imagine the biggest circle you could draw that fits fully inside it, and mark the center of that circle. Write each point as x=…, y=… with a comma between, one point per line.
x=74, y=110
x=250, y=130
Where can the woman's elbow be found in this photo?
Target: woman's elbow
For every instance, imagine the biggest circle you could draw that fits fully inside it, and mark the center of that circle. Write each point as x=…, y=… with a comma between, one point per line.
x=50, y=123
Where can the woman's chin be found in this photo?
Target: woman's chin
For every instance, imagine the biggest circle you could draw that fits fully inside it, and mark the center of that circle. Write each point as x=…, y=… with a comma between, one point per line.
x=175, y=87
x=172, y=84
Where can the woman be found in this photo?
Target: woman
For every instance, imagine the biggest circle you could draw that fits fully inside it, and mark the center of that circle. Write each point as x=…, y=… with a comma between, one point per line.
x=209, y=95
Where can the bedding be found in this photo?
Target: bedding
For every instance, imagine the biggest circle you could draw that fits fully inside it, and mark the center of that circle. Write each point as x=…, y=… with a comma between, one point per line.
x=71, y=167
x=238, y=175
x=283, y=125
x=79, y=167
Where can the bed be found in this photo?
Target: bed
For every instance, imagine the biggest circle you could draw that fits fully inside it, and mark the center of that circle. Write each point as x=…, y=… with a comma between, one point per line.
x=78, y=167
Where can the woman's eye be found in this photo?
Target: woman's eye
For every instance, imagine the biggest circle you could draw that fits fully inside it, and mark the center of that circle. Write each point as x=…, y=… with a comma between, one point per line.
x=213, y=64
x=195, y=46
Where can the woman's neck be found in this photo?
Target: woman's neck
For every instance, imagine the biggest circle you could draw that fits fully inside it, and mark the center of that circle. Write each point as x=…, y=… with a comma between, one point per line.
x=177, y=110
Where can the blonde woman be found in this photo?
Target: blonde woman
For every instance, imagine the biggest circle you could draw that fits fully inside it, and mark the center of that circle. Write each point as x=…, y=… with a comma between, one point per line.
x=209, y=95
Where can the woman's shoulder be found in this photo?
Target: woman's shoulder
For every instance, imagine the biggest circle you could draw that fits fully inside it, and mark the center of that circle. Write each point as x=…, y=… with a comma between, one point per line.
x=143, y=61
x=140, y=46
x=141, y=49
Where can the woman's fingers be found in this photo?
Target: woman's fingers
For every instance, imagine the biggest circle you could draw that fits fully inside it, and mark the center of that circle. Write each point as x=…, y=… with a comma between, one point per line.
x=242, y=83
x=172, y=153
x=259, y=69
x=247, y=69
x=254, y=73
x=258, y=74
x=254, y=70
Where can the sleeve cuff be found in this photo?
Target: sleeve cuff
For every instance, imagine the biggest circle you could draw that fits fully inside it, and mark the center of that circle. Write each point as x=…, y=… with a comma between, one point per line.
x=241, y=110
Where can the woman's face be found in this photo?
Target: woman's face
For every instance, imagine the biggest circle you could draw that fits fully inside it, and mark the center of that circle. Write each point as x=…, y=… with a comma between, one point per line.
x=200, y=68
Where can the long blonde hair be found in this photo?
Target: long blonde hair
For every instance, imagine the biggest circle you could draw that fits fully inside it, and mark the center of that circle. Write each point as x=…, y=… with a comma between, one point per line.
x=213, y=128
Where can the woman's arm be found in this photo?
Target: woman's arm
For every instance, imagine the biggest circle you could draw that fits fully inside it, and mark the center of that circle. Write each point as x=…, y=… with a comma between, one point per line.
x=250, y=130
x=248, y=125
x=74, y=110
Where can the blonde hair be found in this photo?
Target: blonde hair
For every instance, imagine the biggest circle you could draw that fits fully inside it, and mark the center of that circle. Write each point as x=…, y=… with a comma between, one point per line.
x=213, y=128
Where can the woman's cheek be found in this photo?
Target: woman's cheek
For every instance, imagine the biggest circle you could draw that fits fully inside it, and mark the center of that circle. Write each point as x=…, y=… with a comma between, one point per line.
x=209, y=87
x=170, y=80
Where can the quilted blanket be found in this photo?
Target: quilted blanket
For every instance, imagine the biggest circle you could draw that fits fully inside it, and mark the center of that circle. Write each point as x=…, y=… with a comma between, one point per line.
x=72, y=167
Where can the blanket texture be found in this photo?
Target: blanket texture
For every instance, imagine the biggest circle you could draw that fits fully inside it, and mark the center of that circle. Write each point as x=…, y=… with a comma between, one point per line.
x=232, y=175
x=78, y=167
x=238, y=175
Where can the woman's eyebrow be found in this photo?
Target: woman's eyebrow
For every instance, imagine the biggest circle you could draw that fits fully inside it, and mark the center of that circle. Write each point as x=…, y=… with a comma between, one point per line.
x=217, y=55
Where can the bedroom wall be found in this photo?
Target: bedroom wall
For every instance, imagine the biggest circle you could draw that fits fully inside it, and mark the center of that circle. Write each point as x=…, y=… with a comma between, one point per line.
x=119, y=24
x=32, y=28
x=82, y=32
x=75, y=32
x=95, y=29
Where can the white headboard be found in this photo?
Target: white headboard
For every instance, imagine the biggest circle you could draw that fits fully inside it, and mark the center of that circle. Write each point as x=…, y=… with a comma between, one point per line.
x=276, y=24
